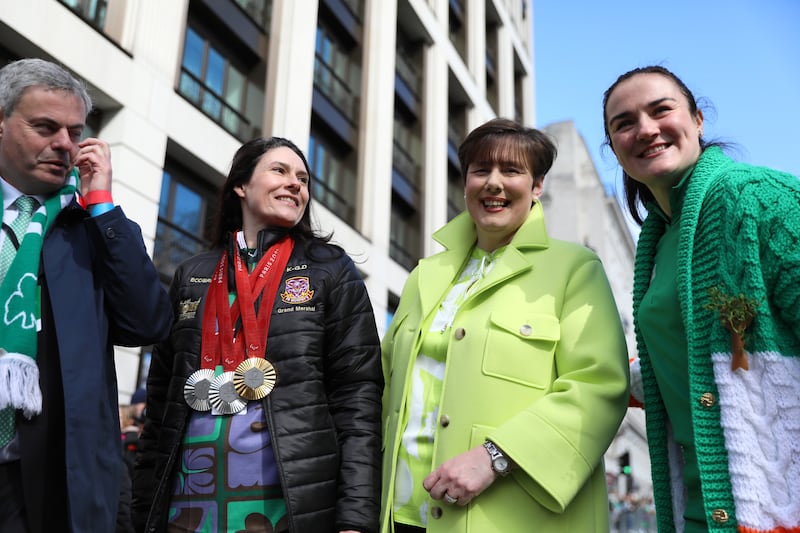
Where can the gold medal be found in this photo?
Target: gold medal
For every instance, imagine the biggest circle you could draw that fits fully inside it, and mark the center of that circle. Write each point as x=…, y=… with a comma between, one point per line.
x=223, y=396
x=254, y=378
x=196, y=390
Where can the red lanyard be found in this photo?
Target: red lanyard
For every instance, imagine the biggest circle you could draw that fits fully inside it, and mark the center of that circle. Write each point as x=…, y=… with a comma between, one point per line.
x=218, y=342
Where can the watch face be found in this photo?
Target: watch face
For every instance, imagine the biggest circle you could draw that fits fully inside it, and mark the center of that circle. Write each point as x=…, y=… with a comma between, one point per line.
x=501, y=464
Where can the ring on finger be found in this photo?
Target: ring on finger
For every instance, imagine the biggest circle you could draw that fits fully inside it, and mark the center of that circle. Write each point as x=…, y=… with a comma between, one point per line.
x=449, y=499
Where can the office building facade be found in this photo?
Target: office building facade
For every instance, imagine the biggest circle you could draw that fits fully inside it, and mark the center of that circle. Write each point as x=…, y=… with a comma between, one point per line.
x=378, y=93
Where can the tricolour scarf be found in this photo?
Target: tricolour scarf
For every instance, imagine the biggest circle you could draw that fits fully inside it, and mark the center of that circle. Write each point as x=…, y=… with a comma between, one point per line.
x=20, y=316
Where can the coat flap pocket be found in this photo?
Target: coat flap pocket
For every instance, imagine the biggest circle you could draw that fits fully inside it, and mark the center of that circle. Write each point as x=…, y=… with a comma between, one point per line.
x=532, y=326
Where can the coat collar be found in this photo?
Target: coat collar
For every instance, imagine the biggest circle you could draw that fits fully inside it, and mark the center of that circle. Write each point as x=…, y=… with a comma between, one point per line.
x=458, y=236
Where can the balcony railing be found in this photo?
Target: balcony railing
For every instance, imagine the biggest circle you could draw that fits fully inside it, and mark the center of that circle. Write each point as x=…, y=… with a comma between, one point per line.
x=356, y=8
x=215, y=107
x=339, y=205
x=406, y=165
x=173, y=245
x=409, y=74
x=258, y=10
x=398, y=252
x=403, y=240
x=335, y=89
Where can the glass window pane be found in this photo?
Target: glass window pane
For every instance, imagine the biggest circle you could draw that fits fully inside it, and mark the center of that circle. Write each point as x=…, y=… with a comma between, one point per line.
x=234, y=89
x=215, y=71
x=188, y=209
x=211, y=105
x=91, y=9
x=231, y=122
x=163, y=205
x=189, y=87
x=193, y=53
x=254, y=109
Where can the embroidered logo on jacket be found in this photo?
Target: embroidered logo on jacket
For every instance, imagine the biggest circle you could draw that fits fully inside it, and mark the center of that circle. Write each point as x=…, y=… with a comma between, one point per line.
x=187, y=309
x=296, y=291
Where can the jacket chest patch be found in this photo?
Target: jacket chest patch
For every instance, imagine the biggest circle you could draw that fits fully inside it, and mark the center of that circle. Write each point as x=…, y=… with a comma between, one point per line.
x=187, y=309
x=296, y=290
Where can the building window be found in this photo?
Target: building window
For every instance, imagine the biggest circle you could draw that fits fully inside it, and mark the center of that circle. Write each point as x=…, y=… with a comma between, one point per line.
x=455, y=135
x=456, y=26
x=455, y=192
x=185, y=216
x=408, y=67
x=336, y=75
x=260, y=11
x=404, y=234
x=333, y=183
x=219, y=88
x=407, y=154
x=406, y=177
x=92, y=11
x=356, y=8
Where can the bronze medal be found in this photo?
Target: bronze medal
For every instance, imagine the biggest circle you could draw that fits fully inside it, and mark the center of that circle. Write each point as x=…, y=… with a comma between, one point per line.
x=254, y=378
x=223, y=396
x=196, y=390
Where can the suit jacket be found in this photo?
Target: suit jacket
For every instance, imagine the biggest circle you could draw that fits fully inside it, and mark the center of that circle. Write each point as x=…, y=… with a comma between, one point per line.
x=536, y=362
x=99, y=289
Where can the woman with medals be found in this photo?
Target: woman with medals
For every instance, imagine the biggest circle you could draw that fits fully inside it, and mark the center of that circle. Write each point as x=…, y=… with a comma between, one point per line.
x=263, y=406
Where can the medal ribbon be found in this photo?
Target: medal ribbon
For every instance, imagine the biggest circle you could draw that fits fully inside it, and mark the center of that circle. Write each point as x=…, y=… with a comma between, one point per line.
x=218, y=345
x=255, y=327
x=217, y=320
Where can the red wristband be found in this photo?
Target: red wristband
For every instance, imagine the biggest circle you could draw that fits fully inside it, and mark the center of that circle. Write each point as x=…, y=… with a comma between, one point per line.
x=98, y=197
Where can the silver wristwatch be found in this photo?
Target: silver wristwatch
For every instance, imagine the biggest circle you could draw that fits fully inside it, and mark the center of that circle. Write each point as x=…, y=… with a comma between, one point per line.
x=500, y=463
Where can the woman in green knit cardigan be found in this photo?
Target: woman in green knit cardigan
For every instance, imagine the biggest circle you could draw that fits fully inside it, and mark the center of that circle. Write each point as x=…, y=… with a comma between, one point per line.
x=716, y=302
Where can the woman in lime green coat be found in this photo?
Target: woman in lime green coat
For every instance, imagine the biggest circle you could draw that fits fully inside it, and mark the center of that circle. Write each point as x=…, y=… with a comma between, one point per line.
x=505, y=364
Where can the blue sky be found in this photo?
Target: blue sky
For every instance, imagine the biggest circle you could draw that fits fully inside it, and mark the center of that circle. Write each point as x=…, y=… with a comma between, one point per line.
x=741, y=55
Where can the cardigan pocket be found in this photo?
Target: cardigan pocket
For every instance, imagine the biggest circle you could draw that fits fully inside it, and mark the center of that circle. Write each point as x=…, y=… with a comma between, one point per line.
x=520, y=348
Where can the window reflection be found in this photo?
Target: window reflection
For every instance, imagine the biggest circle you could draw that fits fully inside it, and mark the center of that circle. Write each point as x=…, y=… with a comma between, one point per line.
x=222, y=91
x=184, y=215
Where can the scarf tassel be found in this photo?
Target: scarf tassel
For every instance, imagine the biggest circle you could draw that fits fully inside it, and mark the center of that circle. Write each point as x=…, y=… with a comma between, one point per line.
x=19, y=383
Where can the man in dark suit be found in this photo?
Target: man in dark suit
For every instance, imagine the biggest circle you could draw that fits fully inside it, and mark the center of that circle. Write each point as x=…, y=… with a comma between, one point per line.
x=75, y=279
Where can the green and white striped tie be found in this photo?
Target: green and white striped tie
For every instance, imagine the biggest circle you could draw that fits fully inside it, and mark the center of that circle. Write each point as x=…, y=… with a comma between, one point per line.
x=15, y=232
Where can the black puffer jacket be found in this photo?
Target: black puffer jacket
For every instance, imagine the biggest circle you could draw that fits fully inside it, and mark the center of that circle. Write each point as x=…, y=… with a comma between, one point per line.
x=323, y=415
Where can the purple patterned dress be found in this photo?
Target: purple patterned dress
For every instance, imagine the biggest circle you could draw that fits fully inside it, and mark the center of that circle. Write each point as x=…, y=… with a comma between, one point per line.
x=228, y=478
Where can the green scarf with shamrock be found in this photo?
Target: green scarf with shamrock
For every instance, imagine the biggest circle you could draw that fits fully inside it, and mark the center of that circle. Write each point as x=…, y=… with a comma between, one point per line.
x=20, y=318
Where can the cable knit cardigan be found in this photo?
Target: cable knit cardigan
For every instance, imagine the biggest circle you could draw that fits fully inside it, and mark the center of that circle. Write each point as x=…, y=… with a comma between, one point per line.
x=740, y=233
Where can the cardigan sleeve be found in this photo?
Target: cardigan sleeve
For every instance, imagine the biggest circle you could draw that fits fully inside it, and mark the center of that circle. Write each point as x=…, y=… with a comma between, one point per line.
x=778, y=216
x=758, y=210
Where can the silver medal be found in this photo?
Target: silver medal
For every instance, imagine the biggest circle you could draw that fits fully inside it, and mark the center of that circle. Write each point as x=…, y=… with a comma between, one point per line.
x=198, y=388
x=223, y=396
